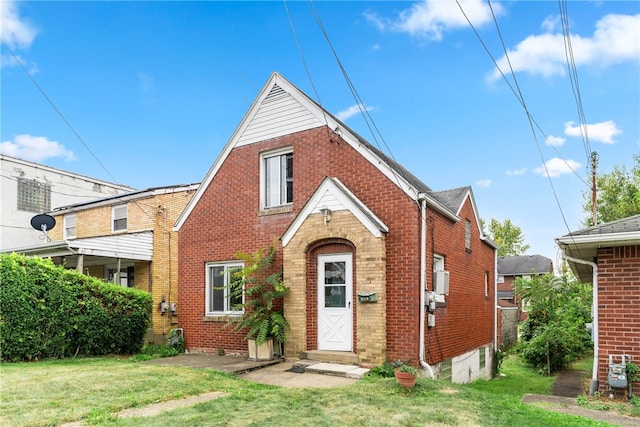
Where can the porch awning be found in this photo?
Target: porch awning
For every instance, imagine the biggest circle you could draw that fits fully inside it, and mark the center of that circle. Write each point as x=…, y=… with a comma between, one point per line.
x=136, y=246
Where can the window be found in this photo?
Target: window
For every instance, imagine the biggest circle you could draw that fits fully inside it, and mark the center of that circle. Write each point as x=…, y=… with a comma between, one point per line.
x=33, y=196
x=70, y=226
x=438, y=262
x=277, y=178
x=486, y=284
x=467, y=235
x=483, y=358
x=119, y=215
x=224, y=291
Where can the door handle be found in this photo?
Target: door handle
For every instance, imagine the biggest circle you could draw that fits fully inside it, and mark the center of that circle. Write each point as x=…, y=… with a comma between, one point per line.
x=349, y=306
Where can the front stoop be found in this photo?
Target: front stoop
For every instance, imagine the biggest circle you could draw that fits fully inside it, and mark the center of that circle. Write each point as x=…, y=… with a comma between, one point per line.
x=342, y=357
x=336, y=369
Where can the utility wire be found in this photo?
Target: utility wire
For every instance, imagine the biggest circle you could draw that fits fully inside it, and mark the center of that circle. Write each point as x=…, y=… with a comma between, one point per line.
x=371, y=125
x=57, y=110
x=518, y=95
x=513, y=90
x=573, y=76
x=64, y=119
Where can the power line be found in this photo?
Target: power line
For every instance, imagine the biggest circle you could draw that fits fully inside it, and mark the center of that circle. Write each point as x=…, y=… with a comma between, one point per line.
x=518, y=95
x=57, y=110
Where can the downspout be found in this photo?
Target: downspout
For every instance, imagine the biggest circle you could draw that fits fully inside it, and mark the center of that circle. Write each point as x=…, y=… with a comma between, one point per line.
x=594, y=385
x=423, y=280
x=495, y=302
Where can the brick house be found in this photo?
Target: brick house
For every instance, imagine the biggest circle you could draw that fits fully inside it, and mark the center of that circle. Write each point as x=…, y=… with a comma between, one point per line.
x=608, y=255
x=512, y=267
x=350, y=222
x=125, y=239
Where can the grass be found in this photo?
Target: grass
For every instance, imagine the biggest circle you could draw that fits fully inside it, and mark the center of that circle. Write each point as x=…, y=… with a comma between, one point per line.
x=94, y=390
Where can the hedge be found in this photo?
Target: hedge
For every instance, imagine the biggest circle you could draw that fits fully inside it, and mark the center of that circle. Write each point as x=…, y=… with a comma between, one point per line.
x=47, y=311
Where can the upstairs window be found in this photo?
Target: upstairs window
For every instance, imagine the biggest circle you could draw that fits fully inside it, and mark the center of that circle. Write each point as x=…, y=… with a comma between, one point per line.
x=224, y=291
x=33, y=196
x=70, y=226
x=119, y=215
x=277, y=178
x=467, y=235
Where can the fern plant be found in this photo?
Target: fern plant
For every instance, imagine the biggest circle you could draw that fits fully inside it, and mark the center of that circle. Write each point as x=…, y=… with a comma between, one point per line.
x=262, y=288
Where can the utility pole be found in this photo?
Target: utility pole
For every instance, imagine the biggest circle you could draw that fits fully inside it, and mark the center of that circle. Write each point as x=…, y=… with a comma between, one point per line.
x=594, y=195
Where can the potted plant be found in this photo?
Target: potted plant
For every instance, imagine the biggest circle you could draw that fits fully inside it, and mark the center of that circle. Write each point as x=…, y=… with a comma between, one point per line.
x=405, y=374
x=261, y=317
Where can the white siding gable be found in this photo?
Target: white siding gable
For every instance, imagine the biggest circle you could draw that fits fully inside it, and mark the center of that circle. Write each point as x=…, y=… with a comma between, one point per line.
x=278, y=114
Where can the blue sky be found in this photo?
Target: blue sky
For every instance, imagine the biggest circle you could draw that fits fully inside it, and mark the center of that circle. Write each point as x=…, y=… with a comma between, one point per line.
x=152, y=91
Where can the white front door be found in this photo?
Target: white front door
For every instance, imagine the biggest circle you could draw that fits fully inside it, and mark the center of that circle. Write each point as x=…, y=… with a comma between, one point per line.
x=335, y=314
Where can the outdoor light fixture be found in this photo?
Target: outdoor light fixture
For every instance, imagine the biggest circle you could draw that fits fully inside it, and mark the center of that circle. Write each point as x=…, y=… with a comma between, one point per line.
x=326, y=214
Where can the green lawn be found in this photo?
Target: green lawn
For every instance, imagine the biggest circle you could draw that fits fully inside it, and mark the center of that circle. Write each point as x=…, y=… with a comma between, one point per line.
x=94, y=390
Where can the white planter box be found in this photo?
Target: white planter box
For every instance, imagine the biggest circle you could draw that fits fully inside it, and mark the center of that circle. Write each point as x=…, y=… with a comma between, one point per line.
x=263, y=351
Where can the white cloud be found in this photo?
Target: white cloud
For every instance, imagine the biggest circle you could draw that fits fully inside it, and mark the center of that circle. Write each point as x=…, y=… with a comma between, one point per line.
x=431, y=18
x=517, y=172
x=556, y=167
x=34, y=148
x=352, y=111
x=15, y=32
x=483, y=183
x=555, y=141
x=615, y=39
x=603, y=131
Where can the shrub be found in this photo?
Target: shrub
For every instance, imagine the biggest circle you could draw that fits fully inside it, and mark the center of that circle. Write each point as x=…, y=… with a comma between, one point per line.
x=50, y=312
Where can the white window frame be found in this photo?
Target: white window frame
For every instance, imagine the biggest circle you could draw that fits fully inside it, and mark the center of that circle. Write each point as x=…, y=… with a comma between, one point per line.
x=282, y=184
x=438, y=262
x=116, y=215
x=70, y=223
x=486, y=284
x=467, y=234
x=227, y=267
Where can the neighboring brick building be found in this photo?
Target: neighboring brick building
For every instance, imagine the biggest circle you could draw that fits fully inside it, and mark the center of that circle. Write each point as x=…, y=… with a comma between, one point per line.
x=614, y=249
x=349, y=222
x=126, y=239
x=512, y=267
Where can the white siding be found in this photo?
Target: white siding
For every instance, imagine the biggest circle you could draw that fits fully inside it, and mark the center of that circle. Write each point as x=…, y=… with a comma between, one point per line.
x=279, y=114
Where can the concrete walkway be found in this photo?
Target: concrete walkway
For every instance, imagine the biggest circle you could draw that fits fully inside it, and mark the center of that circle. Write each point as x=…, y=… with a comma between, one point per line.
x=568, y=383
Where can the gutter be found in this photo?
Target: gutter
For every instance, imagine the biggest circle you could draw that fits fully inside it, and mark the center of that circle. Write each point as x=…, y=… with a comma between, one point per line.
x=423, y=280
x=593, y=386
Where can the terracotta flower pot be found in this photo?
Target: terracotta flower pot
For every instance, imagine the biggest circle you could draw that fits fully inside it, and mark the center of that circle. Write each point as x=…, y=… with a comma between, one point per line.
x=405, y=379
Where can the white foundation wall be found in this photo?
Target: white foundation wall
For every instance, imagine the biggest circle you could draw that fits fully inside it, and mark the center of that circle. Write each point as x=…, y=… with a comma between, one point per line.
x=467, y=368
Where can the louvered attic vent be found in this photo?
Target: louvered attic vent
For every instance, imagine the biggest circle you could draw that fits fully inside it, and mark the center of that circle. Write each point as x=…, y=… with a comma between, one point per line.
x=276, y=93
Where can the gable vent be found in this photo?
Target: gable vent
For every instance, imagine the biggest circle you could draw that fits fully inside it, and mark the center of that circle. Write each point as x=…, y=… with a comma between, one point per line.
x=276, y=93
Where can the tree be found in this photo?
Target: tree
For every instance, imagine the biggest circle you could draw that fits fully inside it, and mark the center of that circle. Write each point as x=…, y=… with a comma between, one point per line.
x=554, y=334
x=508, y=237
x=618, y=195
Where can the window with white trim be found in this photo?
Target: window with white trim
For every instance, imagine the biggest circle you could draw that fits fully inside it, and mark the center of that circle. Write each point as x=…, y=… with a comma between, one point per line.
x=224, y=290
x=438, y=262
x=276, y=178
x=70, y=226
x=467, y=234
x=119, y=218
x=486, y=284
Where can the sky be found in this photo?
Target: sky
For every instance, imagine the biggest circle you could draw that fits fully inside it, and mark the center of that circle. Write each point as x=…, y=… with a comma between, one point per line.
x=491, y=95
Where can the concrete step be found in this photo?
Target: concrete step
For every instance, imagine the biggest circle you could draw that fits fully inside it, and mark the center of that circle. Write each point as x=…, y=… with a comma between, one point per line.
x=346, y=358
x=336, y=369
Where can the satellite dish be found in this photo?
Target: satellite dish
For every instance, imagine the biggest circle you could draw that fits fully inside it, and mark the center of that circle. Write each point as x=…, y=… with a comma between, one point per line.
x=43, y=222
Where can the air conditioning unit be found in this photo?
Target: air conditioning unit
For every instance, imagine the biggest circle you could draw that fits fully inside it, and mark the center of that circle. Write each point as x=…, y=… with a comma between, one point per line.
x=441, y=282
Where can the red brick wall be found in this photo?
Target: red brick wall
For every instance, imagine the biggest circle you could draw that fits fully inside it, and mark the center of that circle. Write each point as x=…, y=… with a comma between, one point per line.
x=226, y=221
x=465, y=321
x=619, y=307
